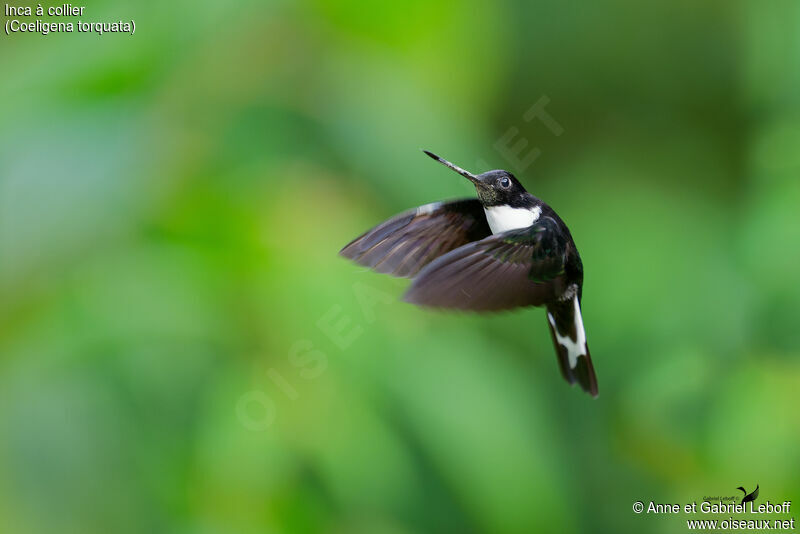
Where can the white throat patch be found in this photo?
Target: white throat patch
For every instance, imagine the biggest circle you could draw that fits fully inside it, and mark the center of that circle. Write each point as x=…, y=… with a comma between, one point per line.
x=503, y=218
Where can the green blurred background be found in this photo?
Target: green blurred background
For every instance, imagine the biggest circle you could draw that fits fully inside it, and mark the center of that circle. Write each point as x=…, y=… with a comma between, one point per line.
x=182, y=350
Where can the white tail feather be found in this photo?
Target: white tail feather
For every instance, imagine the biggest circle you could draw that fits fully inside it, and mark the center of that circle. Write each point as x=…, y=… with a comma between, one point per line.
x=574, y=348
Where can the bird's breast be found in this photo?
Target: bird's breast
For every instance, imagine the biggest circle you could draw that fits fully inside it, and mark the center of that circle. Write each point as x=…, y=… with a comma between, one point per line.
x=504, y=218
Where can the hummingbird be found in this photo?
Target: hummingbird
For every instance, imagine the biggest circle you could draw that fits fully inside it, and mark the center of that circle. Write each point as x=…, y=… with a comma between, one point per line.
x=504, y=249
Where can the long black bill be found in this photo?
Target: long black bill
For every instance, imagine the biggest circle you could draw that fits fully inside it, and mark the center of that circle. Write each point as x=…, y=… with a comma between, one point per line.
x=466, y=174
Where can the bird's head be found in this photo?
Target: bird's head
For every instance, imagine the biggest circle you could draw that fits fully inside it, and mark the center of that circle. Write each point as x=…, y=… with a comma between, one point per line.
x=495, y=188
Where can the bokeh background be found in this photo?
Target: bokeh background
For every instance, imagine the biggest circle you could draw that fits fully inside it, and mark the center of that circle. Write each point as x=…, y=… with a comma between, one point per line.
x=182, y=350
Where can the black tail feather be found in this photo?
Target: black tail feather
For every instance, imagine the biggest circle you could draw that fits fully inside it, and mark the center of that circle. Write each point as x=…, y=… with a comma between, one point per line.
x=561, y=320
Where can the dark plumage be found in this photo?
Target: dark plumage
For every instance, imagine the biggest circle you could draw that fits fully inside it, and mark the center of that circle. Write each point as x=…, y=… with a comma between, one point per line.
x=503, y=250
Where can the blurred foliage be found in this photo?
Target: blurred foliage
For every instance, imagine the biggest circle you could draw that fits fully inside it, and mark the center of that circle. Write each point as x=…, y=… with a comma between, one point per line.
x=181, y=349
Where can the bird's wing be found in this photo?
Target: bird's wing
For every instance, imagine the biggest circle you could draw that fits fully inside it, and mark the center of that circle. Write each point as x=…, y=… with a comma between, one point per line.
x=515, y=268
x=755, y=493
x=407, y=242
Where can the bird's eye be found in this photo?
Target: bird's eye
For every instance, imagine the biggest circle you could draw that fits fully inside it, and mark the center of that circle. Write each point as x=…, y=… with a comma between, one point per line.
x=505, y=182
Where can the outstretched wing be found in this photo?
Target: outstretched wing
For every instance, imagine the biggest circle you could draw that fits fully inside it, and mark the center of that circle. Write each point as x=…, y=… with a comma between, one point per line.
x=522, y=267
x=407, y=242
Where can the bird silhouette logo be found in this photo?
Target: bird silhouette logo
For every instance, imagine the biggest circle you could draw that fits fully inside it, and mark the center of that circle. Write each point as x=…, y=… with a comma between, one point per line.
x=748, y=497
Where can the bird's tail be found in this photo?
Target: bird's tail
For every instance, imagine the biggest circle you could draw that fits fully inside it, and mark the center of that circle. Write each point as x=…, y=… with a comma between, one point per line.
x=569, y=338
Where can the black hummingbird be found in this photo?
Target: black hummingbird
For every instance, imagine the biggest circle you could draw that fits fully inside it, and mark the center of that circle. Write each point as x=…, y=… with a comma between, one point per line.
x=503, y=250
